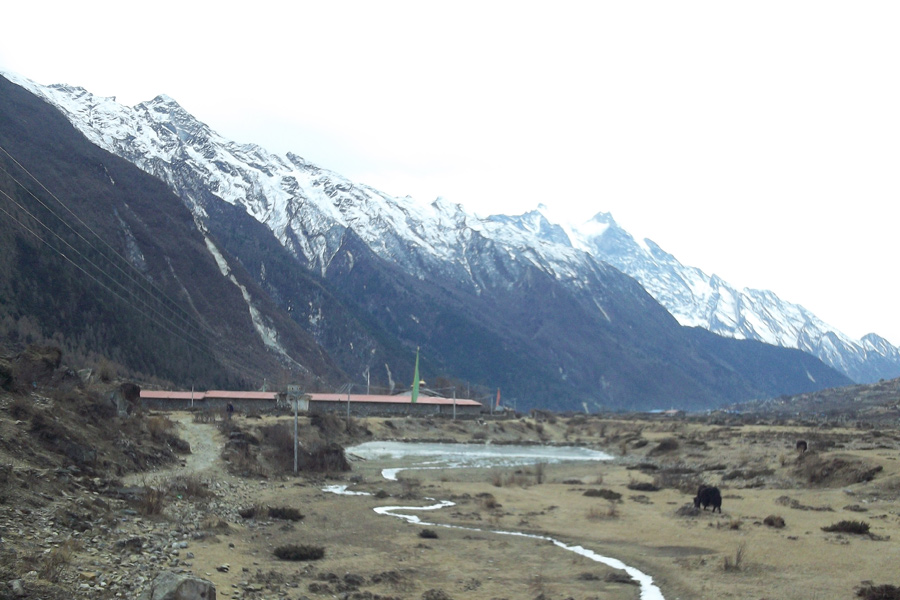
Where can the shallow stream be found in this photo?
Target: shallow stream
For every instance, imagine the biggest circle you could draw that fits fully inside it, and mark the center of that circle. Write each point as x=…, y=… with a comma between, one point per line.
x=415, y=455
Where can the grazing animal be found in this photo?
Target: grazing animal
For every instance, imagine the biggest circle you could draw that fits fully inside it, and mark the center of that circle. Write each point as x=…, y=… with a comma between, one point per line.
x=708, y=495
x=801, y=446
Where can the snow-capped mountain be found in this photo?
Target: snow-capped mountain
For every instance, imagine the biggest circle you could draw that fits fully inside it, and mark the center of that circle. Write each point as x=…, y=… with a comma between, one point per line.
x=700, y=300
x=497, y=271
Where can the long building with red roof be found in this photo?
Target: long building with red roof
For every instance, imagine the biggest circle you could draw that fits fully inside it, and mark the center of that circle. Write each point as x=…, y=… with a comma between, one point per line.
x=359, y=404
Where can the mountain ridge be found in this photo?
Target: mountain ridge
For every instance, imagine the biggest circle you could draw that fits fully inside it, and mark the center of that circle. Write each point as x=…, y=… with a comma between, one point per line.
x=481, y=276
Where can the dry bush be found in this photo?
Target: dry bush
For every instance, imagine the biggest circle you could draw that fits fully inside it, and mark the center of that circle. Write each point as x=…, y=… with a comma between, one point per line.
x=243, y=462
x=397, y=580
x=518, y=478
x=665, y=446
x=329, y=425
x=298, y=552
x=858, y=527
x=537, y=585
x=487, y=501
x=410, y=487
x=540, y=472
x=277, y=446
x=834, y=471
x=46, y=427
x=323, y=458
x=774, y=521
x=153, y=500
x=190, y=486
x=159, y=427
x=285, y=513
x=878, y=592
x=52, y=565
x=21, y=408
x=603, y=493
x=685, y=481
x=259, y=511
x=206, y=416
x=597, y=514
x=642, y=486
x=737, y=562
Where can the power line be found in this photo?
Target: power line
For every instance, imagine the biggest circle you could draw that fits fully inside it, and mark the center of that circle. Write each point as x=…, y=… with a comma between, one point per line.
x=76, y=252
x=140, y=281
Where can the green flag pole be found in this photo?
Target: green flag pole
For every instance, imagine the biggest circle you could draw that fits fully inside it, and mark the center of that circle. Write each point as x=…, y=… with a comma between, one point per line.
x=415, y=388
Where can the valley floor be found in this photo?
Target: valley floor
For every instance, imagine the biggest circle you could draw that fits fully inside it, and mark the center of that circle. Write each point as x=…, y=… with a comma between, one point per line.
x=636, y=508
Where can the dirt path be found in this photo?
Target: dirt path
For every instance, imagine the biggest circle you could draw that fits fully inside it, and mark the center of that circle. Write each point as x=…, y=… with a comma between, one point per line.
x=206, y=444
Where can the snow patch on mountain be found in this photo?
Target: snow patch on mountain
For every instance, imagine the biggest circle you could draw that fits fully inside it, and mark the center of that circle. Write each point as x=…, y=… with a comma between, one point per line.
x=267, y=334
x=310, y=210
x=696, y=299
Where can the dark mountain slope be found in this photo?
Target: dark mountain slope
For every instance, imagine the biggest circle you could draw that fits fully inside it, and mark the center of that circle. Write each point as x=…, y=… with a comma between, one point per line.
x=554, y=329
x=120, y=268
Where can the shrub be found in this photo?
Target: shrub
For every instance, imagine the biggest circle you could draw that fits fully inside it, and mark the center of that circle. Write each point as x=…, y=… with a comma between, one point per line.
x=669, y=444
x=859, y=527
x=642, y=486
x=611, y=512
x=258, y=511
x=191, y=486
x=284, y=513
x=21, y=408
x=774, y=521
x=736, y=563
x=684, y=482
x=324, y=458
x=488, y=501
x=602, y=493
x=299, y=552
x=153, y=500
x=878, y=592
x=539, y=472
x=159, y=427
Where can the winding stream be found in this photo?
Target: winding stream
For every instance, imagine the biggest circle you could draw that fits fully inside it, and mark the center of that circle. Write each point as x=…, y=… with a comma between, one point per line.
x=449, y=456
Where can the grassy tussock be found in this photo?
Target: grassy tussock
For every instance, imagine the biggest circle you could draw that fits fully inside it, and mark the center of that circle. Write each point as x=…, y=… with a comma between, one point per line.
x=298, y=552
x=856, y=527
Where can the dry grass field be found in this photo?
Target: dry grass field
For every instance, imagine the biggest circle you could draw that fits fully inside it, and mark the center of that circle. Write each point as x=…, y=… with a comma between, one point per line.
x=822, y=524
x=769, y=541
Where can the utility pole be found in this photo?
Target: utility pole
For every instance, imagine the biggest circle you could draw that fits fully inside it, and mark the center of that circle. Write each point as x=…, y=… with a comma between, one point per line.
x=293, y=393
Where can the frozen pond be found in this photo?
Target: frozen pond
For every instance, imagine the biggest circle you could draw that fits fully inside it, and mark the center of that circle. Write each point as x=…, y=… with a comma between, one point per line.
x=426, y=455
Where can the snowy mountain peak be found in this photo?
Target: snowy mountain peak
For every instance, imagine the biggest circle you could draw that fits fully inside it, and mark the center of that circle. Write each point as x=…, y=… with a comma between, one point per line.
x=310, y=210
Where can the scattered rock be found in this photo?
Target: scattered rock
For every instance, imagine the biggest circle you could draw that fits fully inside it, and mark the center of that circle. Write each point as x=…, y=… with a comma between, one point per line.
x=179, y=586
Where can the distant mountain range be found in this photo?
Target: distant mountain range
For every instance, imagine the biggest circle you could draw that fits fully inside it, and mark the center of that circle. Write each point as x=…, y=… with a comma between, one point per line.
x=517, y=302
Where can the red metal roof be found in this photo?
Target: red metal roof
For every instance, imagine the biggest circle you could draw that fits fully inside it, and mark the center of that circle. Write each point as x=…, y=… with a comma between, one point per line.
x=384, y=399
x=229, y=395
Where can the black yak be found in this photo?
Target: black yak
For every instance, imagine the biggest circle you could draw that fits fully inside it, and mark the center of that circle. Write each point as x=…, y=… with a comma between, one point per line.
x=708, y=495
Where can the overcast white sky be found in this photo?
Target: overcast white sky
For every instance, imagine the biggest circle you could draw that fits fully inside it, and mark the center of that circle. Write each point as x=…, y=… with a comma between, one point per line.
x=757, y=140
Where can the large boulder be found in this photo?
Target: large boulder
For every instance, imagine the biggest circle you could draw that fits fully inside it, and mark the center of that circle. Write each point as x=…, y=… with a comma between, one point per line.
x=179, y=586
x=127, y=399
